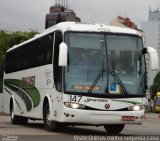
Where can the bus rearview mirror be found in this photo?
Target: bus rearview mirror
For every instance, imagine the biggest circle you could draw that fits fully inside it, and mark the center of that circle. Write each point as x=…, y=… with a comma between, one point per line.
x=63, y=54
x=153, y=55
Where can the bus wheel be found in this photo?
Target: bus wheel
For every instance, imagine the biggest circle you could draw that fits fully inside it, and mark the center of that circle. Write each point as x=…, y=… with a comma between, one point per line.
x=114, y=128
x=50, y=125
x=17, y=119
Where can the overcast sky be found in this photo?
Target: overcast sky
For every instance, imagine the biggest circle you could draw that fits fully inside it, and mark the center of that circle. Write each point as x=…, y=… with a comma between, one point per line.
x=24, y=15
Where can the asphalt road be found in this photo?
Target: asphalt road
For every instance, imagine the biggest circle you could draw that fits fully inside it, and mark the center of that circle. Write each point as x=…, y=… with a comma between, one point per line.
x=34, y=130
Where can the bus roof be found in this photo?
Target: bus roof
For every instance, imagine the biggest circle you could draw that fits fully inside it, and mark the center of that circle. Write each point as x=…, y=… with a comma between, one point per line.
x=81, y=27
x=77, y=26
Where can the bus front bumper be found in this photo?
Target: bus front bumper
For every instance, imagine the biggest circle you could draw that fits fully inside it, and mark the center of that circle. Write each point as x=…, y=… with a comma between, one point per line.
x=102, y=117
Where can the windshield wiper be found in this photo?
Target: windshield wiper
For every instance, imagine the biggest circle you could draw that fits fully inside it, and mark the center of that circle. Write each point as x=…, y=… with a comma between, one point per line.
x=118, y=79
x=97, y=78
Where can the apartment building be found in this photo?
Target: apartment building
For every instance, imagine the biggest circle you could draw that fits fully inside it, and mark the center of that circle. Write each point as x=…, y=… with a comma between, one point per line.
x=152, y=31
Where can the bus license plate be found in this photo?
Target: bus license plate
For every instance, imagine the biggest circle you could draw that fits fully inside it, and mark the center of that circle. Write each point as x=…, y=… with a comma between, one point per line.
x=128, y=118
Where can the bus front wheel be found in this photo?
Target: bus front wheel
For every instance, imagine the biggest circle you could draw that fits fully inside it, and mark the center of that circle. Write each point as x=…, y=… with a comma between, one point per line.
x=114, y=128
x=50, y=125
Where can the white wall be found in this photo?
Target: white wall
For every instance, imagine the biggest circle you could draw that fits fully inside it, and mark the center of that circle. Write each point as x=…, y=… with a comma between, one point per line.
x=1, y=102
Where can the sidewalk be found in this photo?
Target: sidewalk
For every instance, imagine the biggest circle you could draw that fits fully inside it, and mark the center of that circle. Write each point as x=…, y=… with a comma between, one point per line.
x=152, y=115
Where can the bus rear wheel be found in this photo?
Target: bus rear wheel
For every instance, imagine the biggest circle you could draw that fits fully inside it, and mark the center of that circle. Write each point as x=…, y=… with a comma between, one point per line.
x=17, y=119
x=114, y=128
x=49, y=125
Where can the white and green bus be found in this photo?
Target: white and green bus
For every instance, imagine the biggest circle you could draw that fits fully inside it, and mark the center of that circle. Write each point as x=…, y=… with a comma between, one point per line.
x=78, y=74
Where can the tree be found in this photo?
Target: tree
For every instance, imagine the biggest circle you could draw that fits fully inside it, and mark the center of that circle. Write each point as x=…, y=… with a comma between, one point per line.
x=156, y=85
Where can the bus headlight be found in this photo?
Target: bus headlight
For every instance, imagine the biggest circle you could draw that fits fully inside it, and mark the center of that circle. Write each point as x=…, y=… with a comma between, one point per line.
x=74, y=105
x=136, y=108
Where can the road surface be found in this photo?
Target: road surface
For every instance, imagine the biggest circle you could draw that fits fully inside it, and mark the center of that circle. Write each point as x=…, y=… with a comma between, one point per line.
x=35, y=130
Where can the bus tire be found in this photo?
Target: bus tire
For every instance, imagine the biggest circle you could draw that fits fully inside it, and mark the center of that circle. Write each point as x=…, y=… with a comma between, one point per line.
x=49, y=125
x=114, y=128
x=17, y=119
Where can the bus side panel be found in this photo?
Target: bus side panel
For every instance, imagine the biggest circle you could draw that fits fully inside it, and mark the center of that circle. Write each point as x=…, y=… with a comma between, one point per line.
x=57, y=112
x=29, y=88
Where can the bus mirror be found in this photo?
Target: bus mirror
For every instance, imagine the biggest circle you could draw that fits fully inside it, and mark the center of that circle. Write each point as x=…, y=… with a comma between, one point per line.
x=153, y=55
x=63, y=54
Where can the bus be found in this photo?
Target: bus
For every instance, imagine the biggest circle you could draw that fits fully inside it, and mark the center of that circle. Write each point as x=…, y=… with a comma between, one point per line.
x=78, y=74
x=157, y=103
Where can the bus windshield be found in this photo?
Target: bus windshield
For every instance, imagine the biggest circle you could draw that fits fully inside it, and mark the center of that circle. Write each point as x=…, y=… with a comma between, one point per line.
x=104, y=64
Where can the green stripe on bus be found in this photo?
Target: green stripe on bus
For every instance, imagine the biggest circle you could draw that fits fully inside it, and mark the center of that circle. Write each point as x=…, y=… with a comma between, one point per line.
x=32, y=91
x=22, y=95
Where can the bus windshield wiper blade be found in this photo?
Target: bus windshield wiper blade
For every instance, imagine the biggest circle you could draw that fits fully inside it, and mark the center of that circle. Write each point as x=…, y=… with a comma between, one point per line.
x=119, y=81
x=96, y=80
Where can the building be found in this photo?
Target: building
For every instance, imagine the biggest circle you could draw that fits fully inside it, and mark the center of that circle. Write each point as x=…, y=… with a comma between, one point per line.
x=127, y=23
x=152, y=31
x=59, y=13
x=154, y=15
x=123, y=22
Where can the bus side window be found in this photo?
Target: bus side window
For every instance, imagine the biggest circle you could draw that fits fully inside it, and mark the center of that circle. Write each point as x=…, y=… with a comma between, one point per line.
x=48, y=49
x=33, y=54
x=26, y=55
x=57, y=69
x=40, y=52
x=13, y=69
x=45, y=48
x=7, y=63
